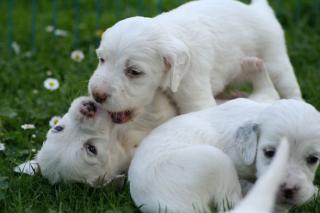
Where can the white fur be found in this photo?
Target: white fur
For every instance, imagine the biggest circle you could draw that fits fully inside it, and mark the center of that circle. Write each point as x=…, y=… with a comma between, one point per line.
x=192, y=52
x=261, y=198
x=64, y=155
x=243, y=130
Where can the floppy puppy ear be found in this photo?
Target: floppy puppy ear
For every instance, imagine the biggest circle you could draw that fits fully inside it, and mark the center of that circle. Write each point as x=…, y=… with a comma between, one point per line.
x=246, y=140
x=176, y=58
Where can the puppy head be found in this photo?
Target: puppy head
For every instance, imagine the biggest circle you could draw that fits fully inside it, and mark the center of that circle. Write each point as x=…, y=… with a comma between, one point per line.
x=300, y=124
x=137, y=57
x=79, y=147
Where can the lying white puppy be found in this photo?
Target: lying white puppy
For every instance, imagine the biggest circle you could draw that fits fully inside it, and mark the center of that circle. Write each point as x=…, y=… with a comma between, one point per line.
x=261, y=198
x=85, y=146
x=175, y=166
x=191, y=52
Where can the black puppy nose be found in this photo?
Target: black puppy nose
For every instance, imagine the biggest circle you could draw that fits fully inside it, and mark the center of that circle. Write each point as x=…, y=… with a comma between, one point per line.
x=100, y=97
x=288, y=192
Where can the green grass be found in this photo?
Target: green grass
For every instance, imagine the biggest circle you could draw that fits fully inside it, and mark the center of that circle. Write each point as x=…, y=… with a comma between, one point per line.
x=23, y=98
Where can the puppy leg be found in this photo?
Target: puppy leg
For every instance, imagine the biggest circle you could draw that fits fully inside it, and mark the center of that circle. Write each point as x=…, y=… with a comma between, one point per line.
x=83, y=108
x=188, y=180
x=194, y=94
x=283, y=76
x=263, y=89
x=88, y=114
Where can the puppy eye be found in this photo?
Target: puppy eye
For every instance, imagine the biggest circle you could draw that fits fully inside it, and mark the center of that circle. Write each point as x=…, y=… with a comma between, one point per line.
x=91, y=149
x=101, y=60
x=132, y=72
x=311, y=160
x=269, y=152
x=57, y=129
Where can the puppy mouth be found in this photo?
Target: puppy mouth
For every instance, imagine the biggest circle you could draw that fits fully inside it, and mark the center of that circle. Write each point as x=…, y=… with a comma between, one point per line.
x=121, y=117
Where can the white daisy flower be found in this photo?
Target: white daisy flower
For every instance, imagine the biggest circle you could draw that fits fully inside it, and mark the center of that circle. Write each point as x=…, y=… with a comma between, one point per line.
x=2, y=147
x=51, y=84
x=49, y=28
x=77, y=55
x=16, y=48
x=29, y=167
x=28, y=126
x=54, y=120
x=60, y=33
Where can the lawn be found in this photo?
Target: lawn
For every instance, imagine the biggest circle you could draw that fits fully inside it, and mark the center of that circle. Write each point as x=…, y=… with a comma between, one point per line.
x=24, y=100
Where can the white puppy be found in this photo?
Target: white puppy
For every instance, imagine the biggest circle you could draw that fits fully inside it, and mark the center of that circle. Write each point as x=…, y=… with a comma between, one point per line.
x=85, y=146
x=191, y=52
x=176, y=162
x=261, y=198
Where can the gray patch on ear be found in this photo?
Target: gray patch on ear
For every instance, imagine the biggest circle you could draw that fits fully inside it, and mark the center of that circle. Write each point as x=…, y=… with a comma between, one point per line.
x=246, y=140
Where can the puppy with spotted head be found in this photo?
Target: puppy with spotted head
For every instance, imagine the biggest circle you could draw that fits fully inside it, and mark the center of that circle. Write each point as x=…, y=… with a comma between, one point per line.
x=256, y=141
x=301, y=126
x=85, y=146
x=249, y=133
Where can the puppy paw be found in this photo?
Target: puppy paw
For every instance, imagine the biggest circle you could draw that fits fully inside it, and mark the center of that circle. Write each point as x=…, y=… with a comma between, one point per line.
x=88, y=108
x=252, y=65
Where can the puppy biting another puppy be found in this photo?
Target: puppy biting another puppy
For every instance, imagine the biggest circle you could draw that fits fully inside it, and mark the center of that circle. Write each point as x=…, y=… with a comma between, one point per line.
x=192, y=52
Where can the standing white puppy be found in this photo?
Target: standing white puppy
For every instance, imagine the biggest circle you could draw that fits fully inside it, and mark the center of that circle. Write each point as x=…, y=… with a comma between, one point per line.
x=192, y=52
x=176, y=165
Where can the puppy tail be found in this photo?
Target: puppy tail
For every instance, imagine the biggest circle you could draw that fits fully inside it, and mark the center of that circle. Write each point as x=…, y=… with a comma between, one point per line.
x=262, y=197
